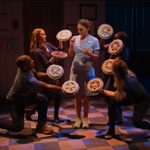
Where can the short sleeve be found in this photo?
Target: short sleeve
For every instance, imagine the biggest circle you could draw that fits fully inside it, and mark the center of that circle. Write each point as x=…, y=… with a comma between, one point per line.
x=96, y=44
x=32, y=80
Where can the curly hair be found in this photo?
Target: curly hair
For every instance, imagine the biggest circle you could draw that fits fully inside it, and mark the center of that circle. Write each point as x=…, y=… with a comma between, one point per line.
x=35, y=39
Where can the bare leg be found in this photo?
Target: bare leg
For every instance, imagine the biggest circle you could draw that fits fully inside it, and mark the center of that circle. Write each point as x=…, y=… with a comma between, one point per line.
x=86, y=106
x=78, y=104
x=85, y=123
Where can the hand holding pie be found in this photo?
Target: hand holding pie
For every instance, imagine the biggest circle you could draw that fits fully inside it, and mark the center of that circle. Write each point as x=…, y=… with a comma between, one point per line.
x=94, y=85
x=59, y=54
x=105, y=31
x=107, y=66
x=55, y=71
x=70, y=87
x=115, y=46
x=64, y=35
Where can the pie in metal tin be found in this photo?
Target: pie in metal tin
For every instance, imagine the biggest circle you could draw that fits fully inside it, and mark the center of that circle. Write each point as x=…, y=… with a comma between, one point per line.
x=70, y=87
x=59, y=54
x=55, y=71
x=105, y=31
x=115, y=46
x=94, y=85
x=64, y=35
x=107, y=66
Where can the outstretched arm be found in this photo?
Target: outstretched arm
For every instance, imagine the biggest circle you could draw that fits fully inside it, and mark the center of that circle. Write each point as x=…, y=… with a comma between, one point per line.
x=41, y=74
x=37, y=83
x=116, y=95
x=71, y=47
x=50, y=86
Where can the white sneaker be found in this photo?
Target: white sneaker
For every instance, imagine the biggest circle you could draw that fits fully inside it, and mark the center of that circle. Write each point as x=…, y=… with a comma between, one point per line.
x=78, y=123
x=85, y=124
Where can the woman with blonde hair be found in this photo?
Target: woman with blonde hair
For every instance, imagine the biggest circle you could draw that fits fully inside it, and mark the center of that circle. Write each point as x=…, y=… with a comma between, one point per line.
x=40, y=51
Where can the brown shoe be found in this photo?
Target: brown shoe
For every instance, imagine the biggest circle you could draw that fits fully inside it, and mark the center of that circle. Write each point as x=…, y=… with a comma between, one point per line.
x=46, y=129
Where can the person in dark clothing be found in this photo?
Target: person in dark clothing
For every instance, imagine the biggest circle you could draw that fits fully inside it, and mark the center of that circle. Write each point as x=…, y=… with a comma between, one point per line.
x=23, y=92
x=109, y=82
x=127, y=91
x=40, y=51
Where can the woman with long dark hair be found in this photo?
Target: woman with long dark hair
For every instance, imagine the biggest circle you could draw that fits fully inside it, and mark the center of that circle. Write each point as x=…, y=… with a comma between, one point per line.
x=128, y=91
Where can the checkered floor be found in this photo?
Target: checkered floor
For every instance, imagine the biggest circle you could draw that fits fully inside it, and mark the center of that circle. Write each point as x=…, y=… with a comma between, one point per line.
x=66, y=138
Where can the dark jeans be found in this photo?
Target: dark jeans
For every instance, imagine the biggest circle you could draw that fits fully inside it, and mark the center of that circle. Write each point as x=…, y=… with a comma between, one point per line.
x=57, y=103
x=17, y=108
x=118, y=110
x=140, y=109
x=141, y=104
x=53, y=94
x=137, y=96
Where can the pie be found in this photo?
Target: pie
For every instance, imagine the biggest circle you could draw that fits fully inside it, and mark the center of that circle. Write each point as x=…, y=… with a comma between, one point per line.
x=64, y=35
x=115, y=46
x=107, y=66
x=94, y=85
x=55, y=71
x=105, y=31
x=59, y=54
x=70, y=87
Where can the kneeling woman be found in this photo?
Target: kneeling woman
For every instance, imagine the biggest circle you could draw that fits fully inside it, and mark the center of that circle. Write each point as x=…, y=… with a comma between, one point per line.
x=129, y=91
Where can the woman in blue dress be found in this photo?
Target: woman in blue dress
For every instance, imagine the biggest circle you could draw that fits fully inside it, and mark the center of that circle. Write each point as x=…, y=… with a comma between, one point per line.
x=85, y=49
